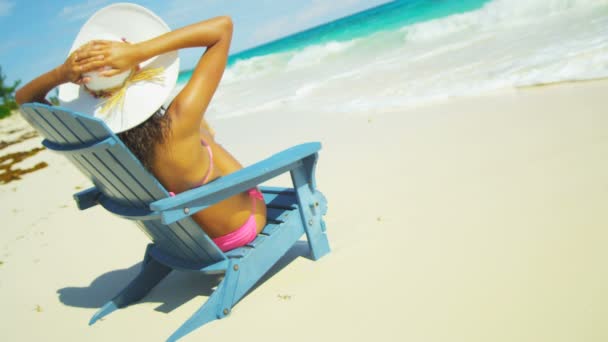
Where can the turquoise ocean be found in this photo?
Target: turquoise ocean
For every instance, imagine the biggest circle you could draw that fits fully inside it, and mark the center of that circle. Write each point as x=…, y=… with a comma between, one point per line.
x=411, y=52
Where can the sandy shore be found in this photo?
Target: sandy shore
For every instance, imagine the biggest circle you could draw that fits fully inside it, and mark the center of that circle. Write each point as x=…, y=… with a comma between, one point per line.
x=478, y=219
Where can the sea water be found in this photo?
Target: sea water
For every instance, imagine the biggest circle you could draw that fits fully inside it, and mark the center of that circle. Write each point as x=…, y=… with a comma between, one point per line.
x=411, y=52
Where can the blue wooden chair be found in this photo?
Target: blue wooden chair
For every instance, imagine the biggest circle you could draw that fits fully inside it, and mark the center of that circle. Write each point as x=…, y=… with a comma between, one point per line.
x=124, y=187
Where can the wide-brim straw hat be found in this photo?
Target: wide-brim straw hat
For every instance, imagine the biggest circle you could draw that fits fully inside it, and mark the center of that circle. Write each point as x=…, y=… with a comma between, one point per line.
x=142, y=96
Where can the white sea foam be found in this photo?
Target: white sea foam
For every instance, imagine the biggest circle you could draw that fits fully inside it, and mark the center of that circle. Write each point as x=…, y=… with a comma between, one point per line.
x=506, y=43
x=316, y=54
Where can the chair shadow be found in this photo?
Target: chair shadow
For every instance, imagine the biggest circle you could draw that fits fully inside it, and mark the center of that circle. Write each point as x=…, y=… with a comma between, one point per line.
x=175, y=290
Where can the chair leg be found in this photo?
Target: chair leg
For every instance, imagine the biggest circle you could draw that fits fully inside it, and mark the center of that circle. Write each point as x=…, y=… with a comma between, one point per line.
x=151, y=274
x=312, y=208
x=317, y=240
x=205, y=314
x=218, y=305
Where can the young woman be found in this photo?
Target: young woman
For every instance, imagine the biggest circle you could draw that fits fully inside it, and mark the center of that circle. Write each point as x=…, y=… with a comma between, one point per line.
x=175, y=144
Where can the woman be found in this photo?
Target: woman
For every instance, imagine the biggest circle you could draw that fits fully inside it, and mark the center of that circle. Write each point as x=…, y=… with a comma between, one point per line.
x=175, y=144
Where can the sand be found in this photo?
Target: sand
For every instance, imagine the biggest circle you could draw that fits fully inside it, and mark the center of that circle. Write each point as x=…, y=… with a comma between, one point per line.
x=474, y=219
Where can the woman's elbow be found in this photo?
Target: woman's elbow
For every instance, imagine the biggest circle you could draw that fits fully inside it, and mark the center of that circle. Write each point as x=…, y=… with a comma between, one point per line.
x=226, y=24
x=20, y=97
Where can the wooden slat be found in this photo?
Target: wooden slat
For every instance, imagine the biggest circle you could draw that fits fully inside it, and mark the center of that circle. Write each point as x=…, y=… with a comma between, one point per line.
x=49, y=131
x=58, y=133
x=104, y=175
x=128, y=185
x=124, y=157
x=146, y=230
x=190, y=232
x=94, y=175
x=258, y=241
x=281, y=198
x=75, y=132
x=172, y=242
x=31, y=116
x=53, y=135
x=283, y=206
x=94, y=126
x=239, y=252
x=37, y=120
x=110, y=179
x=270, y=228
x=184, y=241
x=276, y=190
x=60, y=127
x=76, y=126
x=167, y=241
x=278, y=215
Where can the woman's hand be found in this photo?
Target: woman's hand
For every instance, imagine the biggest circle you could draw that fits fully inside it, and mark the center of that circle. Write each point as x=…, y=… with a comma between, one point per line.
x=79, y=62
x=116, y=56
x=110, y=58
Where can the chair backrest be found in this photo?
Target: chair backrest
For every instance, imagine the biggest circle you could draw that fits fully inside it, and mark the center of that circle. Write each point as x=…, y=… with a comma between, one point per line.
x=126, y=187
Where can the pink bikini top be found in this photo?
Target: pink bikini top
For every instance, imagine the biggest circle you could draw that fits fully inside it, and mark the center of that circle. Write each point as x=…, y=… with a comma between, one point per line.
x=209, y=171
x=253, y=193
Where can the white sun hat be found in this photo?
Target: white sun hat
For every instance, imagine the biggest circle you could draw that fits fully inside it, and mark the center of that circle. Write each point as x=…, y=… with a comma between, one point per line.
x=142, y=96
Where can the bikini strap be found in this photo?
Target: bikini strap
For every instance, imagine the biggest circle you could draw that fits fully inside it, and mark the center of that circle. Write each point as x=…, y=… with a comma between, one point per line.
x=210, y=170
x=254, y=193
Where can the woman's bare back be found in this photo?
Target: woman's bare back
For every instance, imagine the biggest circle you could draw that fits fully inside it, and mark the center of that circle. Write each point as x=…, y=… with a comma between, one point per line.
x=182, y=163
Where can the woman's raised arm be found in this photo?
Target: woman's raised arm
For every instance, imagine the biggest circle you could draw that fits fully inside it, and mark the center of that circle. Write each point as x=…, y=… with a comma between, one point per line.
x=190, y=104
x=192, y=101
x=71, y=70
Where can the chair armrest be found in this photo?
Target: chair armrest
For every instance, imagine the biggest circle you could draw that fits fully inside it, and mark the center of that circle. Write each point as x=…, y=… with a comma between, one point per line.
x=173, y=209
x=88, y=198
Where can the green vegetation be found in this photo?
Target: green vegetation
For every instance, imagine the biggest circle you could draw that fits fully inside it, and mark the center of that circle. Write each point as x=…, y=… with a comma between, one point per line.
x=54, y=100
x=7, y=95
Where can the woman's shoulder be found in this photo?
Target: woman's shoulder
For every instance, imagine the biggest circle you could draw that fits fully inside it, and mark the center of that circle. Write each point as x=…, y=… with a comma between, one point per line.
x=182, y=126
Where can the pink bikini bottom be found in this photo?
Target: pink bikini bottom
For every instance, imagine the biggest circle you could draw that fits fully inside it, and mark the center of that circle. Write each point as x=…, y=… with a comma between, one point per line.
x=246, y=233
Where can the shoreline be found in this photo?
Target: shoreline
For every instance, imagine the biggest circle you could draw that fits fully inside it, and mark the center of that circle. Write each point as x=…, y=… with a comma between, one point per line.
x=559, y=83
x=472, y=219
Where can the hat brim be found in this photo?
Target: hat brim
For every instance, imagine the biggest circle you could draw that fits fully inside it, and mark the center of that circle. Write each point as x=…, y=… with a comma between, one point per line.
x=142, y=99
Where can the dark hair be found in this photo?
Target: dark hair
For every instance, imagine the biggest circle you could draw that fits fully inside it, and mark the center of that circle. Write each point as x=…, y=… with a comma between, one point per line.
x=143, y=139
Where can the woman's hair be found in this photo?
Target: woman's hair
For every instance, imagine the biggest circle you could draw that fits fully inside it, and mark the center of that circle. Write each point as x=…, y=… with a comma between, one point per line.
x=143, y=139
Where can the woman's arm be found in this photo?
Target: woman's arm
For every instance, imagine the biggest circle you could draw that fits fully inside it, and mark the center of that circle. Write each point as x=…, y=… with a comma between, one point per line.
x=36, y=90
x=192, y=101
x=70, y=71
x=190, y=104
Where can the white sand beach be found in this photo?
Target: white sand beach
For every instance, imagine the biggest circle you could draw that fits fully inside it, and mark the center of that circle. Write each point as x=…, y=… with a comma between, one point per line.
x=472, y=219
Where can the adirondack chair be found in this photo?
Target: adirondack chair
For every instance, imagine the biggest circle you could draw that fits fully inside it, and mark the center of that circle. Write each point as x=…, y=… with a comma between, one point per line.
x=124, y=187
